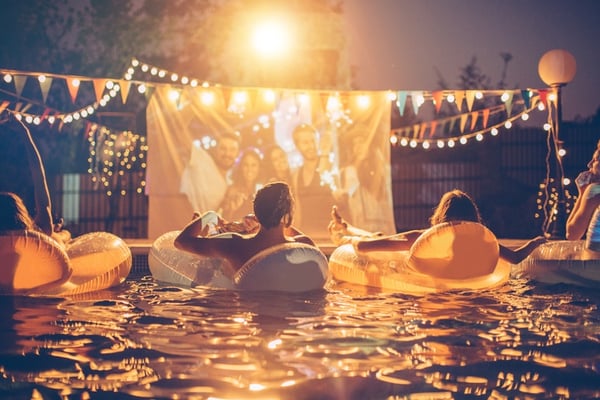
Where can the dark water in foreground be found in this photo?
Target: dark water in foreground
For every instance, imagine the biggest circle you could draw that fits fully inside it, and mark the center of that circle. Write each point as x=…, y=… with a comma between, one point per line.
x=146, y=340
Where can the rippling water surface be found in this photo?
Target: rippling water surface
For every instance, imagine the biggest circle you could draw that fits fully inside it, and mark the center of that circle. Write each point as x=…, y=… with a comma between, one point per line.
x=145, y=340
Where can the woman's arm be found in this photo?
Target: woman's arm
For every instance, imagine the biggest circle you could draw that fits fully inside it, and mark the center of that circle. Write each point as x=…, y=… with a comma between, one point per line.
x=398, y=242
x=43, y=205
x=518, y=255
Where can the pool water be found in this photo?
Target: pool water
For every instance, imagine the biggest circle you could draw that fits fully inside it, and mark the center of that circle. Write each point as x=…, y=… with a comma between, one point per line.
x=146, y=340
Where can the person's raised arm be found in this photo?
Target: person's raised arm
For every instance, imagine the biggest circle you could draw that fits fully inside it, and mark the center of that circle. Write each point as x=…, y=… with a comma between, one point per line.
x=43, y=205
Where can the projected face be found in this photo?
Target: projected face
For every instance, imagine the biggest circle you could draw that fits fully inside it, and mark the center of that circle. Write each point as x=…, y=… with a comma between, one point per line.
x=280, y=163
x=250, y=166
x=226, y=152
x=306, y=142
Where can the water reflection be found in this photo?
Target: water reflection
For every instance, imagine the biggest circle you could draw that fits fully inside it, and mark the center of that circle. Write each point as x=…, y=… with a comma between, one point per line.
x=151, y=341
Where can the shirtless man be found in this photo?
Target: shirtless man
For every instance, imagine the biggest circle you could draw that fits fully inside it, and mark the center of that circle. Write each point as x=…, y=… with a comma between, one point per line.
x=273, y=208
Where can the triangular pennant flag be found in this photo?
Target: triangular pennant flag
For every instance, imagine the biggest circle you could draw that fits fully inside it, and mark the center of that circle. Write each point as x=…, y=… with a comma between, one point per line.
x=451, y=125
x=470, y=95
x=438, y=96
x=474, y=115
x=463, y=122
x=432, y=128
x=45, y=87
x=19, y=84
x=125, y=86
x=422, y=128
x=459, y=96
x=252, y=96
x=99, y=86
x=486, y=116
x=4, y=104
x=149, y=92
x=178, y=101
x=544, y=96
x=415, y=97
x=73, y=86
x=401, y=101
x=226, y=93
x=526, y=95
x=508, y=103
x=45, y=113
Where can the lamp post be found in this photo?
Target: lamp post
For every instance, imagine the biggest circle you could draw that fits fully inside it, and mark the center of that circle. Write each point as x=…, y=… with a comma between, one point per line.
x=556, y=69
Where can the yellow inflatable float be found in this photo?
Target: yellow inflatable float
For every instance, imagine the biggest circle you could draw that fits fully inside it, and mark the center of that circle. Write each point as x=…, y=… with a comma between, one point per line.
x=35, y=264
x=448, y=256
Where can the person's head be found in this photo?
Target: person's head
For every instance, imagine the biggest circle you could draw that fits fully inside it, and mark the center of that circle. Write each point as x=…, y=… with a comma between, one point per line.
x=276, y=163
x=594, y=164
x=13, y=213
x=305, y=140
x=455, y=205
x=226, y=151
x=247, y=167
x=274, y=204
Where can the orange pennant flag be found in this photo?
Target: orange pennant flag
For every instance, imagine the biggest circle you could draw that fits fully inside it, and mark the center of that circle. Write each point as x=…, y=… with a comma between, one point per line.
x=125, y=86
x=486, y=116
x=416, y=129
x=73, y=86
x=99, y=86
x=226, y=93
x=45, y=87
x=459, y=95
x=470, y=98
x=422, y=129
x=438, y=96
x=4, y=104
x=474, y=115
x=463, y=122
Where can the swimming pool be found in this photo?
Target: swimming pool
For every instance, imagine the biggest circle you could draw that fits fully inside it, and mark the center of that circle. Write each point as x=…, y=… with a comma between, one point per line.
x=145, y=340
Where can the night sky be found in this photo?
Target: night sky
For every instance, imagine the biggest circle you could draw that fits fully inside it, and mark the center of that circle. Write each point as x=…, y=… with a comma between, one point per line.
x=398, y=44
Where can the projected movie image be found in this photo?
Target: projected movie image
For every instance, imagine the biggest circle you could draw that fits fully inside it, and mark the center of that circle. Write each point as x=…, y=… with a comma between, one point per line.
x=331, y=151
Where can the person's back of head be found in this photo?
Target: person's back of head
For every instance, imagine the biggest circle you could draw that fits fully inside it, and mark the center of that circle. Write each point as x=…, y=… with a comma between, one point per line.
x=273, y=203
x=13, y=213
x=456, y=205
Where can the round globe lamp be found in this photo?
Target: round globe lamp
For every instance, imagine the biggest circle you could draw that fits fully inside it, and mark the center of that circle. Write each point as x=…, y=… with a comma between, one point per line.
x=557, y=67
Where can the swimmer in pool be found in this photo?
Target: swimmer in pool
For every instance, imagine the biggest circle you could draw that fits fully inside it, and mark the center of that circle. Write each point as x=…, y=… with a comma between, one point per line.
x=454, y=205
x=272, y=225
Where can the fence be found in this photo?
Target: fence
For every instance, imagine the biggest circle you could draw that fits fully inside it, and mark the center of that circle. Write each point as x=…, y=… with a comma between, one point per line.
x=502, y=173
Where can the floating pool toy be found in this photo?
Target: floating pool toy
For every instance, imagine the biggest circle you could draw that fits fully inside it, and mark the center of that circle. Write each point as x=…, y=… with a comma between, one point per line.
x=35, y=264
x=561, y=261
x=289, y=267
x=448, y=256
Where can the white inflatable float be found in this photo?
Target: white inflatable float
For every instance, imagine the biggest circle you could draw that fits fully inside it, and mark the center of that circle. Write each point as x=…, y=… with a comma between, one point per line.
x=561, y=261
x=448, y=256
x=289, y=267
x=35, y=264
